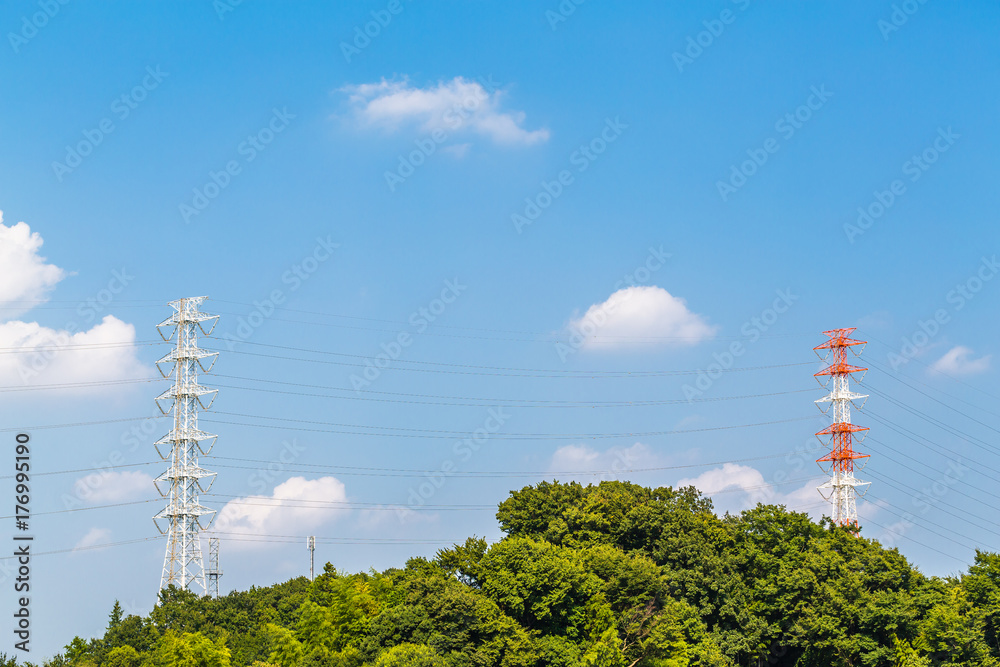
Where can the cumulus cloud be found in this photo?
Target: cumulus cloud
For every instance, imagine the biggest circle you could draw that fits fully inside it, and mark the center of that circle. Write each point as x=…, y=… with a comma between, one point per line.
x=93, y=537
x=579, y=462
x=459, y=105
x=112, y=487
x=296, y=505
x=641, y=313
x=24, y=274
x=735, y=487
x=730, y=476
x=959, y=361
x=42, y=355
x=53, y=356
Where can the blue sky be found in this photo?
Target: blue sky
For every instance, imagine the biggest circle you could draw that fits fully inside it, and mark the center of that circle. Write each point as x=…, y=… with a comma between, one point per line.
x=664, y=176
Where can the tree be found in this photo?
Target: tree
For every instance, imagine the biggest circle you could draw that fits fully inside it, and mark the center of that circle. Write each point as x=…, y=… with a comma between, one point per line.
x=410, y=655
x=122, y=656
x=189, y=649
x=462, y=561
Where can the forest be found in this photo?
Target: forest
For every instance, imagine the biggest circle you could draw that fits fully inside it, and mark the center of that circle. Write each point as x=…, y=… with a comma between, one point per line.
x=608, y=575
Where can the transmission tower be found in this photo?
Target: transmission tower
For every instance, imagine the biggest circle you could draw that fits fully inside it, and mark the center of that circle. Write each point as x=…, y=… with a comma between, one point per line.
x=182, y=482
x=213, y=573
x=842, y=489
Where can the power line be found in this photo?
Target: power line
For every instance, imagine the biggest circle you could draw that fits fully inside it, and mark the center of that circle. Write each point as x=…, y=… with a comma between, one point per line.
x=545, y=337
x=77, y=347
x=924, y=526
x=87, y=509
x=372, y=507
x=444, y=434
x=97, y=469
x=485, y=330
x=905, y=488
x=43, y=427
x=488, y=473
x=934, y=421
x=498, y=402
x=940, y=372
x=513, y=372
x=88, y=547
x=78, y=385
x=929, y=467
x=925, y=442
x=907, y=537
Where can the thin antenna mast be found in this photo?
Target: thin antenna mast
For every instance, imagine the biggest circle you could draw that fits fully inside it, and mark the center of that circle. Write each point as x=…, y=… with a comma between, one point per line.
x=311, y=545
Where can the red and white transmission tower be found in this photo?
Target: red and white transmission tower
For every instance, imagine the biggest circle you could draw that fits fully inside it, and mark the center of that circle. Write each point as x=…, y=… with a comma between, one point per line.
x=842, y=488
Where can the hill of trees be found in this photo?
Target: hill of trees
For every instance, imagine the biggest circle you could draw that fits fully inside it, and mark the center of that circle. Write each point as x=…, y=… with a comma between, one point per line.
x=608, y=575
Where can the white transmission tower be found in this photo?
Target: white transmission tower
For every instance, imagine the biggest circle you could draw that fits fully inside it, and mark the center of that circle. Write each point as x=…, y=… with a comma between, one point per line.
x=213, y=572
x=181, y=519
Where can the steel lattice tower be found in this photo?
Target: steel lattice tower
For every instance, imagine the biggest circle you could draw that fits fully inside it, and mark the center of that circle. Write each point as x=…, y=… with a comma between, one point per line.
x=213, y=573
x=182, y=563
x=842, y=487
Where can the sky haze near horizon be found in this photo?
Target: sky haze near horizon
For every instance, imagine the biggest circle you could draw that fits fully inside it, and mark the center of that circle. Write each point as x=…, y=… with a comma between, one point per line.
x=499, y=243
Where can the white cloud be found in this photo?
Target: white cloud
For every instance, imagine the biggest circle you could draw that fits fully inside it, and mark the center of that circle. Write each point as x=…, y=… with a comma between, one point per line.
x=111, y=487
x=94, y=536
x=572, y=462
x=295, y=505
x=449, y=106
x=53, y=356
x=730, y=476
x=24, y=274
x=958, y=361
x=735, y=487
x=41, y=355
x=641, y=313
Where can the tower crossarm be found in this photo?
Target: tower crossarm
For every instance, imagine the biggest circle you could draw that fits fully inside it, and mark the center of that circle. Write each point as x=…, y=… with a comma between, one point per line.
x=841, y=395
